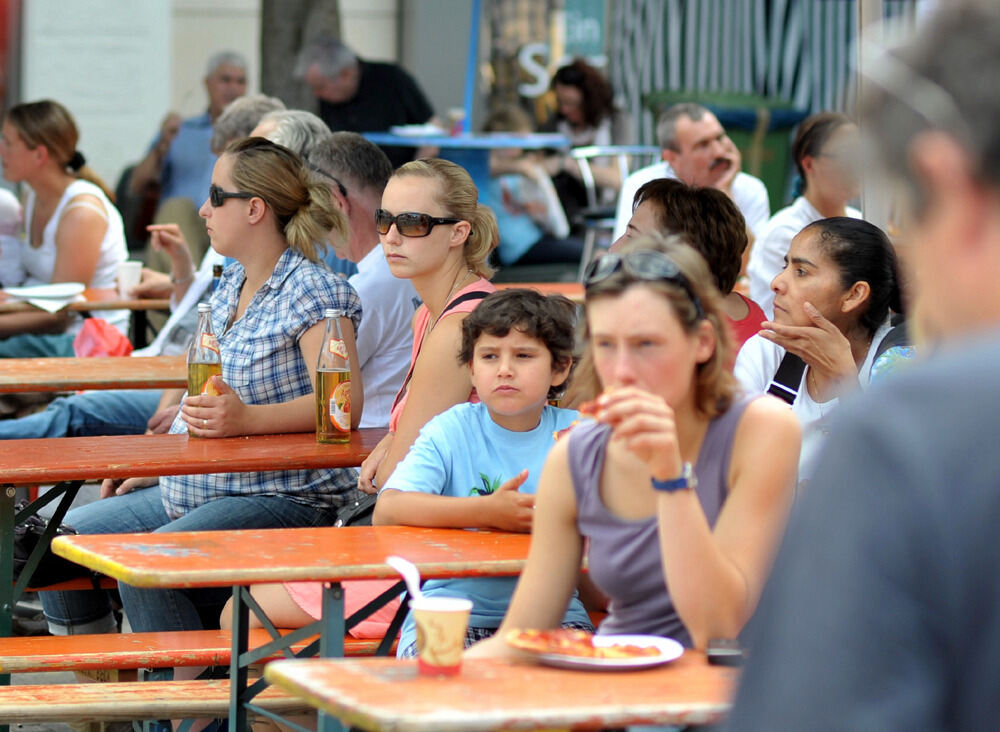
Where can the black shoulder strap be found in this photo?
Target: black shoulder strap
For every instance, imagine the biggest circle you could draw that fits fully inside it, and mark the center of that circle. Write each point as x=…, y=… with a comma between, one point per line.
x=785, y=384
x=898, y=335
x=476, y=295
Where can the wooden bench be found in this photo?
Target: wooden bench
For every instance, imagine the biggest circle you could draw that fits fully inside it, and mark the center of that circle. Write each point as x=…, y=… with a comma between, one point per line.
x=123, y=701
x=141, y=650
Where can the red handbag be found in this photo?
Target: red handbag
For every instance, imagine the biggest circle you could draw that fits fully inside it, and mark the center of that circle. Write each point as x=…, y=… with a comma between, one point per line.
x=99, y=338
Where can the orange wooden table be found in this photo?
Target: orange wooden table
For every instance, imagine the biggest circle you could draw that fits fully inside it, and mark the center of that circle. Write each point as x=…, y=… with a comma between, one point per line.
x=68, y=462
x=492, y=694
x=95, y=300
x=74, y=374
x=238, y=558
x=572, y=290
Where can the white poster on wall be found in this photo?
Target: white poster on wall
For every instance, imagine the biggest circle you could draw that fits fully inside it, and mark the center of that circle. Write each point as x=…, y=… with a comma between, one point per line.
x=106, y=61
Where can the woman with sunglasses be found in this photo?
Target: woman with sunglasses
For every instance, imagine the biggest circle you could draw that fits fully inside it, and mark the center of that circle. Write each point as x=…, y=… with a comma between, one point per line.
x=825, y=151
x=265, y=212
x=435, y=234
x=667, y=488
x=73, y=231
x=832, y=303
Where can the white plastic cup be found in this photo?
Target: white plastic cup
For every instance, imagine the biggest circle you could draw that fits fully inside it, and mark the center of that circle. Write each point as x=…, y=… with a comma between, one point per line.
x=441, y=624
x=129, y=275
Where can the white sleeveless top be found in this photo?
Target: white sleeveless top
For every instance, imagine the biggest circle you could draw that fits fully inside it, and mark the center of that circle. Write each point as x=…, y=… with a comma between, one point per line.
x=39, y=262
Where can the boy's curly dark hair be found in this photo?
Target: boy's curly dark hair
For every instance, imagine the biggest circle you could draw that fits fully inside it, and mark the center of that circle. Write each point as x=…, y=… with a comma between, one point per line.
x=551, y=319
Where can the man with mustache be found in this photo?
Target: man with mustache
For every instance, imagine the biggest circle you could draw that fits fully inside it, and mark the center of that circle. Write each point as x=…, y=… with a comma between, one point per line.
x=697, y=150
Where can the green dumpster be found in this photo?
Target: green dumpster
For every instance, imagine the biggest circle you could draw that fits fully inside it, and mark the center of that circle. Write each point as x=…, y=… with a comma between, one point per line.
x=759, y=126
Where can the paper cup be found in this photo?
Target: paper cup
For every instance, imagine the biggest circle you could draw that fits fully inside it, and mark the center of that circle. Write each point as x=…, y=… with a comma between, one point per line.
x=129, y=274
x=441, y=624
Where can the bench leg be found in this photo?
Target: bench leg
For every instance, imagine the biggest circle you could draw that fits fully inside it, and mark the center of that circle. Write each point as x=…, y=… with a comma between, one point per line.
x=331, y=642
x=237, y=671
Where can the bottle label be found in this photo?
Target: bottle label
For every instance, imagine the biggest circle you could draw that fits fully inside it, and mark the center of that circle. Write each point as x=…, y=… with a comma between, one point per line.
x=340, y=406
x=209, y=342
x=338, y=348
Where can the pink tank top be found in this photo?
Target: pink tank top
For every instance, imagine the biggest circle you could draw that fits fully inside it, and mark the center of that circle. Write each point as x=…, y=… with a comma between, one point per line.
x=420, y=322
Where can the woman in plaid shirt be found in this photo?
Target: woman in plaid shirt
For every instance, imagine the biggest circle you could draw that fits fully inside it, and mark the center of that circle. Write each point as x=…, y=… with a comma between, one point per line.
x=267, y=313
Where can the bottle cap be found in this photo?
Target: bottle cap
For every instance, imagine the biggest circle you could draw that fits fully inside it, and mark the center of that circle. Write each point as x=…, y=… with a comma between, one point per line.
x=204, y=307
x=333, y=313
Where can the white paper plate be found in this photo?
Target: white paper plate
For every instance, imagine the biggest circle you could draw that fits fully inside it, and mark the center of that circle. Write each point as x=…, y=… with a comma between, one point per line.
x=424, y=130
x=668, y=651
x=55, y=291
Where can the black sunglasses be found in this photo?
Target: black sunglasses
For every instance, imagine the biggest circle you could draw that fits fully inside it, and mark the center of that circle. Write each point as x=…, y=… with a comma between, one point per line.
x=217, y=196
x=409, y=223
x=642, y=265
x=319, y=171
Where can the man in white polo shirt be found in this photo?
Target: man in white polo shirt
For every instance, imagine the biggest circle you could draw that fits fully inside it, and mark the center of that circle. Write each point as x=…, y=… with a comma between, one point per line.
x=697, y=151
x=356, y=172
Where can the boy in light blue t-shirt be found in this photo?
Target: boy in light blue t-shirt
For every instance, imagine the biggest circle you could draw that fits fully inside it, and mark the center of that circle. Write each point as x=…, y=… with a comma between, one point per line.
x=477, y=465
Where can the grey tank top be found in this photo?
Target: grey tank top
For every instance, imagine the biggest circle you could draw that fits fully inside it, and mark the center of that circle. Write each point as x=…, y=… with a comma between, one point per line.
x=623, y=554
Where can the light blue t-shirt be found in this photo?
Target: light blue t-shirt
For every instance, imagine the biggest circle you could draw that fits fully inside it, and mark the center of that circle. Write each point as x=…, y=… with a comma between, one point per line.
x=518, y=231
x=461, y=453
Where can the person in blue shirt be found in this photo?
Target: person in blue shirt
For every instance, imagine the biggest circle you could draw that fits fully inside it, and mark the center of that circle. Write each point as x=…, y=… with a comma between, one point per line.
x=477, y=464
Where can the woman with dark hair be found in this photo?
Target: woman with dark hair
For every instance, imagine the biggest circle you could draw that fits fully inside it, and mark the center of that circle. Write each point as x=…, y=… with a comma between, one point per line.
x=585, y=104
x=825, y=151
x=586, y=114
x=832, y=303
x=73, y=232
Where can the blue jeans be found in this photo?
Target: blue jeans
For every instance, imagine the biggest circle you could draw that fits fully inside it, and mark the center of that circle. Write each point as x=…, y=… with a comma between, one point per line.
x=88, y=611
x=33, y=345
x=124, y=412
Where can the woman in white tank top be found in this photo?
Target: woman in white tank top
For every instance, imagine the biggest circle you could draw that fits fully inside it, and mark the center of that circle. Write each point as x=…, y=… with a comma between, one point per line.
x=73, y=232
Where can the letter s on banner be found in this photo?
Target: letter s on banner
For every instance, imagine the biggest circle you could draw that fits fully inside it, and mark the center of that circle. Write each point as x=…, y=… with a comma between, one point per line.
x=528, y=62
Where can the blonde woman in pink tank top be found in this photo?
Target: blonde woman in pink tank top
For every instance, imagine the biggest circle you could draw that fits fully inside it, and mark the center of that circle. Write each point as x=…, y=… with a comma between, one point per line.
x=436, y=234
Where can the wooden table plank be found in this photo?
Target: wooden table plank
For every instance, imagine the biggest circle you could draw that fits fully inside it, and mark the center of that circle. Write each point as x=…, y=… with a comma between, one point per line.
x=73, y=374
x=220, y=558
x=94, y=300
x=129, y=700
x=42, y=461
x=490, y=694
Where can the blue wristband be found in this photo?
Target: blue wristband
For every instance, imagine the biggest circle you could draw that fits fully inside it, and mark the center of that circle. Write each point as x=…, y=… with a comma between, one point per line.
x=683, y=483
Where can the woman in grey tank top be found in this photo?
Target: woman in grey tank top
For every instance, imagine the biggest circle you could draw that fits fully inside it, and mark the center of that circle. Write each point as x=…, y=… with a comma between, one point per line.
x=680, y=482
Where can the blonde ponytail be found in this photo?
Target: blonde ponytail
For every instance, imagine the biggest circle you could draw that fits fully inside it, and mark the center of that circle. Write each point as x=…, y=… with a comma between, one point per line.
x=302, y=209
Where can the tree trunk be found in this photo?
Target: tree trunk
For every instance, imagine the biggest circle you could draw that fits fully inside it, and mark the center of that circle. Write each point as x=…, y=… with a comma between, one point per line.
x=286, y=25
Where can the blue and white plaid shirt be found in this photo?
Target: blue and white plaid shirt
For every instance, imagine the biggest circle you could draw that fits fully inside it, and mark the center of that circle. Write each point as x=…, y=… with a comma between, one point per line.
x=262, y=363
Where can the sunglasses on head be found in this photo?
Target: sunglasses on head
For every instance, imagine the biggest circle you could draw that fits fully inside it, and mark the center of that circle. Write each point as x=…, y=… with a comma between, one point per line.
x=217, y=196
x=319, y=171
x=645, y=265
x=409, y=223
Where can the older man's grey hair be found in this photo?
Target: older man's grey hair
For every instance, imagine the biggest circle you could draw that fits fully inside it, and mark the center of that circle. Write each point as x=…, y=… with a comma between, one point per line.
x=666, y=125
x=225, y=58
x=350, y=158
x=328, y=54
x=240, y=117
x=296, y=129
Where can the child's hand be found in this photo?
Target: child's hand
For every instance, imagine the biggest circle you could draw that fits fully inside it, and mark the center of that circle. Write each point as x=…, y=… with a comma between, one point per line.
x=645, y=424
x=218, y=414
x=510, y=510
